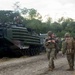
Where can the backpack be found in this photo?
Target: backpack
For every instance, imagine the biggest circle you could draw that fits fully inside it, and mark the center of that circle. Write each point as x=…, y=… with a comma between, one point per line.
x=69, y=46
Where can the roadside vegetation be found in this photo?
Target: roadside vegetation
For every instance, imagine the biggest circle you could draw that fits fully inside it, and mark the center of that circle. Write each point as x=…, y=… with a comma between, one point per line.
x=31, y=18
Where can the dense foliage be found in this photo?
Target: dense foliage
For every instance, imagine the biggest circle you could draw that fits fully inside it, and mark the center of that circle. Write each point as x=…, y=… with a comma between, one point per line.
x=32, y=19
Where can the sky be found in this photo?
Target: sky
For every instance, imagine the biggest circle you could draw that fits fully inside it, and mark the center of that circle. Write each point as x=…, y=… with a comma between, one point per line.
x=53, y=8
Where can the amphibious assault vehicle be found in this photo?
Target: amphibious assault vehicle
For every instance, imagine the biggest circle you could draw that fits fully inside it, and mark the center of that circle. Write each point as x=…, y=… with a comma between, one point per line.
x=16, y=40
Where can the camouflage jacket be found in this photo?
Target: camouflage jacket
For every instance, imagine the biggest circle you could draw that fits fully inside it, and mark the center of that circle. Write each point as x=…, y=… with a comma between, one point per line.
x=50, y=43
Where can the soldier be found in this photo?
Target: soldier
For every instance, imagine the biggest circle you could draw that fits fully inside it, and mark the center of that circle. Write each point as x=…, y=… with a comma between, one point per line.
x=74, y=42
x=50, y=45
x=68, y=48
x=58, y=48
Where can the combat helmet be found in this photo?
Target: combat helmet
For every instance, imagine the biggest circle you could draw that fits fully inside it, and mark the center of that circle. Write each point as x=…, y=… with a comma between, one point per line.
x=50, y=33
x=67, y=34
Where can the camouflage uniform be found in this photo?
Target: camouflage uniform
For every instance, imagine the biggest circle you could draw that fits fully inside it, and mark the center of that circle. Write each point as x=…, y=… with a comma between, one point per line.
x=74, y=43
x=50, y=47
x=58, y=47
x=68, y=48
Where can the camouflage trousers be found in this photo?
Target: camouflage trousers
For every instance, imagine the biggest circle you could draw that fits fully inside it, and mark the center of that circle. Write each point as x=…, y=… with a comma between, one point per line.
x=50, y=56
x=70, y=58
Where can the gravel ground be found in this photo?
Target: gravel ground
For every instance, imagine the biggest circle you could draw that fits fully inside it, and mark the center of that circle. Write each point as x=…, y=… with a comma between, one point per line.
x=36, y=65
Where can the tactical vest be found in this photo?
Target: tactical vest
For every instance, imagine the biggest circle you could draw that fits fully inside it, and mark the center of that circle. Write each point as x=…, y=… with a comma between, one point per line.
x=51, y=44
x=69, y=46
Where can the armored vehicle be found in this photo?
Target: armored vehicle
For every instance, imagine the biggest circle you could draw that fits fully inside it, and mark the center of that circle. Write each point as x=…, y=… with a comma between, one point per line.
x=42, y=40
x=17, y=40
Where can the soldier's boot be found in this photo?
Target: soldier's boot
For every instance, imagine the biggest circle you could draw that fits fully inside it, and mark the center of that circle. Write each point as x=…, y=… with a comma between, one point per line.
x=70, y=69
x=50, y=69
x=53, y=66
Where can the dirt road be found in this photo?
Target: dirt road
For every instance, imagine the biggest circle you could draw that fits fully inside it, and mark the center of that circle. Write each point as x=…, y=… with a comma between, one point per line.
x=37, y=65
